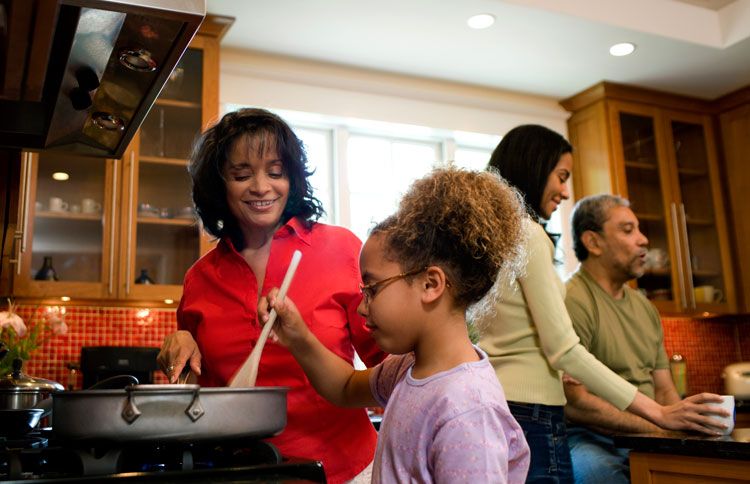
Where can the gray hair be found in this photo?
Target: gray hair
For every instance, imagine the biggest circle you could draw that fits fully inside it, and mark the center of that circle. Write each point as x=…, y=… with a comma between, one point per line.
x=590, y=213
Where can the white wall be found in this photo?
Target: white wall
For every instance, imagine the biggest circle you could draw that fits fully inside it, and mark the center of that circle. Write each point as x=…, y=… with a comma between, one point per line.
x=275, y=82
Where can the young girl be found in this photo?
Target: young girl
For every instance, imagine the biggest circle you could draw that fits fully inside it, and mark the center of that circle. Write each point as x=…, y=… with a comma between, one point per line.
x=446, y=418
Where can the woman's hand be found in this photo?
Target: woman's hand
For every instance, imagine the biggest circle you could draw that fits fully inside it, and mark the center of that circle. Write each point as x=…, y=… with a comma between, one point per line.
x=179, y=349
x=289, y=326
x=692, y=413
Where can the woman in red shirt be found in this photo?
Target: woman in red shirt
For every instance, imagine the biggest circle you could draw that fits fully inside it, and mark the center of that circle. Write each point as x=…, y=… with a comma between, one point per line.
x=251, y=191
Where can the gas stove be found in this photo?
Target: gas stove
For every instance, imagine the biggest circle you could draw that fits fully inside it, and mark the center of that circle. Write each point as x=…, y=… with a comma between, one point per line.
x=39, y=457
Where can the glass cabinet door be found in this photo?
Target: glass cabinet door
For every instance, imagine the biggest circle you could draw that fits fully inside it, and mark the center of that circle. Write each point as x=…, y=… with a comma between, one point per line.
x=69, y=227
x=697, y=213
x=646, y=186
x=164, y=235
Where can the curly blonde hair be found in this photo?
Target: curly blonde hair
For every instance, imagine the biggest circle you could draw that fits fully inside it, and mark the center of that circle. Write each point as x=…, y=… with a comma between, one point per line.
x=471, y=224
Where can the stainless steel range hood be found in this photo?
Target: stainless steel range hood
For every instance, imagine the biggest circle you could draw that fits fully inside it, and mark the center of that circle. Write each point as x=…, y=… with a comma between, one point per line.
x=81, y=75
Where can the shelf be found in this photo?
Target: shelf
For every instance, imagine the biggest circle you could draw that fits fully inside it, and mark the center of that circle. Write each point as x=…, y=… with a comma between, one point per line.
x=162, y=160
x=167, y=221
x=640, y=165
x=700, y=221
x=95, y=217
x=705, y=273
x=649, y=216
x=693, y=172
x=173, y=103
x=657, y=273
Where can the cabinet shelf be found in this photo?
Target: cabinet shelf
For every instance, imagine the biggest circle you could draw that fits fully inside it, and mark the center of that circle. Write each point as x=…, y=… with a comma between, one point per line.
x=705, y=273
x=94, y=217
x=642, y=165
x=163, y=160
x=649, y=216
x=700, y=221
x=658, y=273
x=693, y=172
x=166, y=221
x=173, y=103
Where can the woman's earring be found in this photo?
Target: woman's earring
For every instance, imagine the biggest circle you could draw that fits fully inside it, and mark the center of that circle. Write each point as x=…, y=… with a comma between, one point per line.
x=219, y=224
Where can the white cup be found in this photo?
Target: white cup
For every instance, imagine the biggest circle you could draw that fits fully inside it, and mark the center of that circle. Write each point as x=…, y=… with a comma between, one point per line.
x=89, y=205
x=75, y=209
x=727, y=403
x=708, y=294
x=56, y=204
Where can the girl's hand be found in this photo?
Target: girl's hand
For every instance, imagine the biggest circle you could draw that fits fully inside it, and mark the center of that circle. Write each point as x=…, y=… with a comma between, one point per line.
x=289, y=327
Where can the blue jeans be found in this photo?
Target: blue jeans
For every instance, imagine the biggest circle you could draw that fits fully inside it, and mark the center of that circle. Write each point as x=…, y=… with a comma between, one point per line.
x=596, y=459
x=546, y=434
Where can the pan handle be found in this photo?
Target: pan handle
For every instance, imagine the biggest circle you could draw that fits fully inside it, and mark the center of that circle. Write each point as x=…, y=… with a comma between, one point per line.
x=194, y=410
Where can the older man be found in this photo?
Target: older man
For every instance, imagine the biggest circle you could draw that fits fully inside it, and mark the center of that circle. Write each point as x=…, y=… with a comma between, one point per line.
x=619, y=326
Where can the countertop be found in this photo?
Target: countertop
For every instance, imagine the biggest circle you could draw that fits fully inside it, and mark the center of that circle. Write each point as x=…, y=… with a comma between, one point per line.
x=735, y=446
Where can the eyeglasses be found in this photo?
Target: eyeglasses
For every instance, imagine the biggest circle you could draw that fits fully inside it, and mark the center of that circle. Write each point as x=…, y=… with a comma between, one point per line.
x=369, y=290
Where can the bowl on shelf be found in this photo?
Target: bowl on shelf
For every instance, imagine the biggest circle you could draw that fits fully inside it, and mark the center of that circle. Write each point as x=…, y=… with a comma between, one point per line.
x=147, y=210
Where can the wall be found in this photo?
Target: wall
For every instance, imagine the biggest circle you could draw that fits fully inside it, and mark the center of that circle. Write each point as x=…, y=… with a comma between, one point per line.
x=708, y=345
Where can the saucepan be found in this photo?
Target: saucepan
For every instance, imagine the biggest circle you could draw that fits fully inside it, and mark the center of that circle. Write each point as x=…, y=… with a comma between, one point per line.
x=169, y=412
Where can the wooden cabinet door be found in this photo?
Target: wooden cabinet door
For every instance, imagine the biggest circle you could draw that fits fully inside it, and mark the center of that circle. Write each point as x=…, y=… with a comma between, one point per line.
x=161, y=229
x=643, y=176
x=700, y=214
x=67, y=218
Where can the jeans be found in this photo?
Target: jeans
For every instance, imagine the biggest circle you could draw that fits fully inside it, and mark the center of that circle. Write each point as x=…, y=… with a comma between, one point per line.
x=596, y=459
x=546, y=434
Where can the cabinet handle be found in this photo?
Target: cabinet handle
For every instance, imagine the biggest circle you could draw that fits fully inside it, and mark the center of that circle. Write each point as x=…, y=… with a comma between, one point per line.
x=23, y=209
x=688, y=259
x=678, y=249
x=130, y=222
x=112, y=219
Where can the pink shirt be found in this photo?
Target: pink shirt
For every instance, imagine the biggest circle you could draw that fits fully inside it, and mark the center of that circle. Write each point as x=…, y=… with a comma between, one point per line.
x=219, y=307
x=451, y=427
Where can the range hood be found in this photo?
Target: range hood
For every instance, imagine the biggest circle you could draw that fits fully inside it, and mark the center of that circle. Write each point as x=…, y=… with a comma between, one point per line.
x=79, y=76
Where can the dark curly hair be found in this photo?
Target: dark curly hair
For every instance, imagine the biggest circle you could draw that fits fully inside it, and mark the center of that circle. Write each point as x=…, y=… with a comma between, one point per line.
x=525, y=157
x=210, y=156
x=468, y=223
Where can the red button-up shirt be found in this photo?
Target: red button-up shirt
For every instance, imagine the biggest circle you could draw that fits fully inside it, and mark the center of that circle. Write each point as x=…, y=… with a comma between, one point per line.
x=219, y=307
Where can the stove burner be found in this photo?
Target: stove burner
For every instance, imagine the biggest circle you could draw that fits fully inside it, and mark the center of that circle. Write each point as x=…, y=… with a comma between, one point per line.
x=215, y=461
x=29, y=442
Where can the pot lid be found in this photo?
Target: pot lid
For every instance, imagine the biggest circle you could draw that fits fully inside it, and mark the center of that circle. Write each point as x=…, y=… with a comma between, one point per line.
x=17, y=381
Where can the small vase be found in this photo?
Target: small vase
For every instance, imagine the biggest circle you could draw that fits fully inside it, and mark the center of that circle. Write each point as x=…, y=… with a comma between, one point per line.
x=47, y=272
x=144, y=278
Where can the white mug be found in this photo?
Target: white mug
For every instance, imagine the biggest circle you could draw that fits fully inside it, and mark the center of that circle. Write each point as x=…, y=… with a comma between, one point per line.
x=707, y=294
x=56, y=204
x=75, y=209
x=89, y=205
x=727, y=403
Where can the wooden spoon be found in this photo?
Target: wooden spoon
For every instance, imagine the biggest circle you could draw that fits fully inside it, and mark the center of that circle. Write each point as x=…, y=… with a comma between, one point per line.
x=248, y=372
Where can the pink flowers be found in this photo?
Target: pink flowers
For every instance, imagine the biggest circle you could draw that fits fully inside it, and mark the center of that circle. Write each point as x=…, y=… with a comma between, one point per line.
x=9, y=319
x=20, y=340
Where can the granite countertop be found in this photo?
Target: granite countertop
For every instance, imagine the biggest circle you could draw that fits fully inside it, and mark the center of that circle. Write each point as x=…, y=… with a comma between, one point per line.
x=734, y=446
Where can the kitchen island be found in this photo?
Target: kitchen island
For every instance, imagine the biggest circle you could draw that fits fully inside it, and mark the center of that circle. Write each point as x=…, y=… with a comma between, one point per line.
x=679, y=457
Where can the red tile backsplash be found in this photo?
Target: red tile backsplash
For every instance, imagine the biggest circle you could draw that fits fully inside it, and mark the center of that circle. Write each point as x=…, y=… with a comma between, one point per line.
x=708, y=345
x=95, y=326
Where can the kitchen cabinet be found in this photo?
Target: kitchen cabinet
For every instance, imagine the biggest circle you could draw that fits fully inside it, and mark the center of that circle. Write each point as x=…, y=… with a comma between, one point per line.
x=659, y=151
x=123, y=229
x=734, y=120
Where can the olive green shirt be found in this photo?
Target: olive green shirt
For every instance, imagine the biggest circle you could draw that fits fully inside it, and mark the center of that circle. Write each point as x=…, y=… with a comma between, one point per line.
x=624, y=334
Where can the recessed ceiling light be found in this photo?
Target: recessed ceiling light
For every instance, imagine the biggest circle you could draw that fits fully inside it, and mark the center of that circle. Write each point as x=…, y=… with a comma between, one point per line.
x=481, y=21
x=65, y=298
x=619, y=50
x=60, y=176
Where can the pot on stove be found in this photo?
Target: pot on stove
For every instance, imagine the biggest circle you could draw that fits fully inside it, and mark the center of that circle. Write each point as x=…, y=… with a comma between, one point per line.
x=21, y=391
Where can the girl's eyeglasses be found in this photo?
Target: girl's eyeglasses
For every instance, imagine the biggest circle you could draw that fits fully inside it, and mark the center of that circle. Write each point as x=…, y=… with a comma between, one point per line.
x=369, y=290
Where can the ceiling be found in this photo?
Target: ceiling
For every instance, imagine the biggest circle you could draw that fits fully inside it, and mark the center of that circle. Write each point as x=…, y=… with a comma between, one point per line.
x=546, y=47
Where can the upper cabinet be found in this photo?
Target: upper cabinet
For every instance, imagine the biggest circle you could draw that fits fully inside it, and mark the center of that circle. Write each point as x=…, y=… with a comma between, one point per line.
x=659, y=151
x=122, y=229
x=734, y=117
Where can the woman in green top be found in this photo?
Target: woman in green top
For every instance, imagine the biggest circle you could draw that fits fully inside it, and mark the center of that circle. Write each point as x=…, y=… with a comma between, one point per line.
x=528, y=334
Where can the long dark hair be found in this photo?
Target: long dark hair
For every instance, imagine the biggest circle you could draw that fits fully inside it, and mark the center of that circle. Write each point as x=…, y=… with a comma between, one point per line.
x=525, y=157
x=211, y=154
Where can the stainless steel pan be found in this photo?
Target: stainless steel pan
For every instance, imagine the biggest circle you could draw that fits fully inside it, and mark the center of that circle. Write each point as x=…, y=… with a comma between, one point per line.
x=169, y=412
